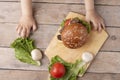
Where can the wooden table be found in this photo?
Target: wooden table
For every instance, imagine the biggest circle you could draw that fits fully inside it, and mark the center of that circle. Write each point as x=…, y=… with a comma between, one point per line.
x=49, y=14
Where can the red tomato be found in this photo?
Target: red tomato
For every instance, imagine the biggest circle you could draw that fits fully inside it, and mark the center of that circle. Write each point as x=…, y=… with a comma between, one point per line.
x=67, y=22
x=57, y=70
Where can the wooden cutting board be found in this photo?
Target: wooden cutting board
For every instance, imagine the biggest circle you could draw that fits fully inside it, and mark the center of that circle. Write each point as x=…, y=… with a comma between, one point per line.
x=93, y=44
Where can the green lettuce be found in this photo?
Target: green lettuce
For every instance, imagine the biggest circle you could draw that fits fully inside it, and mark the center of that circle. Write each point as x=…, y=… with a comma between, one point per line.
x=83, y=22
x=72, y=69
x=23, y=48
x=63, y=23
x=86, y=24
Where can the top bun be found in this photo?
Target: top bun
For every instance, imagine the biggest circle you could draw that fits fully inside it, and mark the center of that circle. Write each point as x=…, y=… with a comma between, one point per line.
x=74, y=35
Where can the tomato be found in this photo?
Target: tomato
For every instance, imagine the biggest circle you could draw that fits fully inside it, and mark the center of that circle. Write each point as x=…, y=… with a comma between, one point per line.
x=57, y=70
x=67, y=22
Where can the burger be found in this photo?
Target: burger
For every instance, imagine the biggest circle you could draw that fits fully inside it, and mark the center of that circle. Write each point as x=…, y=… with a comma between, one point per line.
x=74, y=32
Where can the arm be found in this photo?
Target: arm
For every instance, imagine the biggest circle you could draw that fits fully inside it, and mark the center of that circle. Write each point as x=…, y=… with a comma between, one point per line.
x=93, y=17
x=89, y=5
x=27, y=22
x=26, y=6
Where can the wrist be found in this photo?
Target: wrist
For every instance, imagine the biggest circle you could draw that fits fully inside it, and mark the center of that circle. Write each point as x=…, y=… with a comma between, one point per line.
x=90, y=11
x=27, y=16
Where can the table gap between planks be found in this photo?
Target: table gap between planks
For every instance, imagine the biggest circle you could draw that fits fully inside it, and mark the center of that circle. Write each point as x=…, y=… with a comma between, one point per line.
x=49, y=14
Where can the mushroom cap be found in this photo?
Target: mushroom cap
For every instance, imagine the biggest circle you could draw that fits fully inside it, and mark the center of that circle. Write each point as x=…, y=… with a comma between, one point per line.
x=36, y=54
x=87, y=56
x=74, y=35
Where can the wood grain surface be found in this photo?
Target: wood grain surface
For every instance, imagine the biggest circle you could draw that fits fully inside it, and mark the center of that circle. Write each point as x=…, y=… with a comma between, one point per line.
x=11, y=12
x=103, y=2
x=106, y=65
x=43, y=75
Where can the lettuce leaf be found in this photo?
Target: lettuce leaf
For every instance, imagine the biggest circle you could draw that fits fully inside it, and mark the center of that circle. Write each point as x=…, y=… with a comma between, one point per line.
x=23, y=48
x=72, y=69
x=62, y=23
x=83, y=22
x=86, y=24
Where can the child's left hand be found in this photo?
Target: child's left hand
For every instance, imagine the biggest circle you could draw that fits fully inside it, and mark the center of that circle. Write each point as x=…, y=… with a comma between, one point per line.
x=26, y=25
x=97, y=21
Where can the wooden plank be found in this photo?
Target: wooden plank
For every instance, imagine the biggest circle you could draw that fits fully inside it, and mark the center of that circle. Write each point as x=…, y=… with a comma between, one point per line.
x=112, y=43
x=43, y=75
x=45, y=33
x=94, y=76
x=105, y=62
x=105, y=2
x=44, y=14
x=23, y=75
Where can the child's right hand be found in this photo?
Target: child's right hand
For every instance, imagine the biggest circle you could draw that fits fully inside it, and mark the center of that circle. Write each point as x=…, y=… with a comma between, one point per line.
x=26, y=24
x=97, y=21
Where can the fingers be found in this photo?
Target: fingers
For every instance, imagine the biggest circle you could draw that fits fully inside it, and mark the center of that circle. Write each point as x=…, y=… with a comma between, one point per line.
x=87, y=19
x=26, y=24
x=96, y=20
x=95, y=25
x=103, y=25
x=98, y=25
x=24, y=31
x=21, y=30
x=34, y=28
x=17, y=27
x=27, y=32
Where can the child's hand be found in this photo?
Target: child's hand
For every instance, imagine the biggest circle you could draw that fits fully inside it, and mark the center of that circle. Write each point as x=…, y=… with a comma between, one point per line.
x=97, y=21
x=26, y=24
